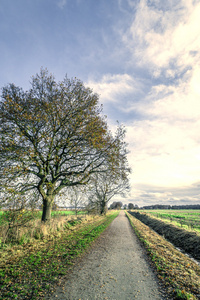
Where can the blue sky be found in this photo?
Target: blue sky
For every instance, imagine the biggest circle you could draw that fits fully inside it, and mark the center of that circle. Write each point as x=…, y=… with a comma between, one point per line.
x=142, y=57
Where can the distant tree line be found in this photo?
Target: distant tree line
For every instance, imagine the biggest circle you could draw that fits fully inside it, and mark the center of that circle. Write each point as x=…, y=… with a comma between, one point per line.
x=159, y=206
x=119, y=205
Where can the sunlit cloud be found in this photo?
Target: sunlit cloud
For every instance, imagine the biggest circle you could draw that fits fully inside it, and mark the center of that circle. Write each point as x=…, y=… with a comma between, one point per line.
x=174, y=103
x=112, y=88
x=165, y=36
x=143, y=59
x=164, y=144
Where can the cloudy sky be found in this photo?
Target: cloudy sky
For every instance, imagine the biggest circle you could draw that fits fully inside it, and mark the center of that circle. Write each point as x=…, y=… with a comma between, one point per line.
x=142, y=57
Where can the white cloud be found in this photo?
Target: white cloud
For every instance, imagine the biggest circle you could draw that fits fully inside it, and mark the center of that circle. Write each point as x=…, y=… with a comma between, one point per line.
x=174, y=104
x=164, y=153
x=164, y=144
x=195, y=82
x=165, y=38
x=113, y=87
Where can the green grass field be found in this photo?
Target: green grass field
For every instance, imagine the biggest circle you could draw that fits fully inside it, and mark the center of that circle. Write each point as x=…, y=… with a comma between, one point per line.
x=57, y=212
x=66, y=212
x=54, y=214
x=188, y=219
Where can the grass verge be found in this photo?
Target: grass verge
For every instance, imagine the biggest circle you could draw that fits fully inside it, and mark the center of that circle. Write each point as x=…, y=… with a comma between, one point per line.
x=180, y=274
x=186, y=240
x=31, y=271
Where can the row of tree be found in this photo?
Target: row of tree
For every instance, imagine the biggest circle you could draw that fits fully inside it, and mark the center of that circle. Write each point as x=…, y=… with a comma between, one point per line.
x=120, y=205
x=160, y=206
x=54, y=141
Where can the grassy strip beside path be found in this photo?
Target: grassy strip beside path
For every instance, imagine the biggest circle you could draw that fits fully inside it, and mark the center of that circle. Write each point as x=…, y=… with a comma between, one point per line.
x=33, y=271
x=179, y=273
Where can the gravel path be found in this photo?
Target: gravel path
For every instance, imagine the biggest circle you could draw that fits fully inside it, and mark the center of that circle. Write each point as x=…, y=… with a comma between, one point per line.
x=116, y=268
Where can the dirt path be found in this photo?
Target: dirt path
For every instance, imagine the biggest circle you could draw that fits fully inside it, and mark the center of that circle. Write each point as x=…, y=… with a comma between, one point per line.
x=115, y=268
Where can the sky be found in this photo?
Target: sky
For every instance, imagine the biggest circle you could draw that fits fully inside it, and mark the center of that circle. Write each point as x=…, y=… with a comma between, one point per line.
x=143, y=59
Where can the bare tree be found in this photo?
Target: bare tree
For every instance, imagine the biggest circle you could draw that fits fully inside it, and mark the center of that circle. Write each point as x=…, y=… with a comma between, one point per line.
x=77, y=198
x=53, y=137
x=125, y=206
x=104, y=186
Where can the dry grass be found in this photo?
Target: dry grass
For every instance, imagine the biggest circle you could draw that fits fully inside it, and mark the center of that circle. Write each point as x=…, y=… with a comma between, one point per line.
x=179, y=273
x=36, y=233
x=33, y=270
x=35, y=230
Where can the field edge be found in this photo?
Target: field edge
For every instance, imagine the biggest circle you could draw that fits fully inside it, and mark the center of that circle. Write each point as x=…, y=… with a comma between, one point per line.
x=178, y=273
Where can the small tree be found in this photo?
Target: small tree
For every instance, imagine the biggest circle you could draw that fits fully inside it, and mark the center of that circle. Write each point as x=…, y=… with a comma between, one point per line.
x=104, y=189
x=105, y=185
x=17, y=214
x=76, y=197
x=116, y=205
x=53, y=137
x=130, y=206
x=112, y=206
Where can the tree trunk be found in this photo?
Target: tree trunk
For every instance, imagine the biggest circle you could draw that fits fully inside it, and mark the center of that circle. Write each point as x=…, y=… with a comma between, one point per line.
x=46, y=213
x=103, y=207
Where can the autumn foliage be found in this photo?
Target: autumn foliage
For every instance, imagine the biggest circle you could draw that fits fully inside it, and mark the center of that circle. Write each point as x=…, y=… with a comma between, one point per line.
x=54, y=136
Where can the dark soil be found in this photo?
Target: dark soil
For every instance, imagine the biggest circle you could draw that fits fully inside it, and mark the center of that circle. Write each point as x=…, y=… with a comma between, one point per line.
x=189, y=242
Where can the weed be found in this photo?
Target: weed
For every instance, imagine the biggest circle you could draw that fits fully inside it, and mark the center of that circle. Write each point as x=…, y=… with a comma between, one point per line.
x=181, y=294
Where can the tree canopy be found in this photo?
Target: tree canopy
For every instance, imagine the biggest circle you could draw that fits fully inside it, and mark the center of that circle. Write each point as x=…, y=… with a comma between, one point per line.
x=53, y=136
x=104, y=186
